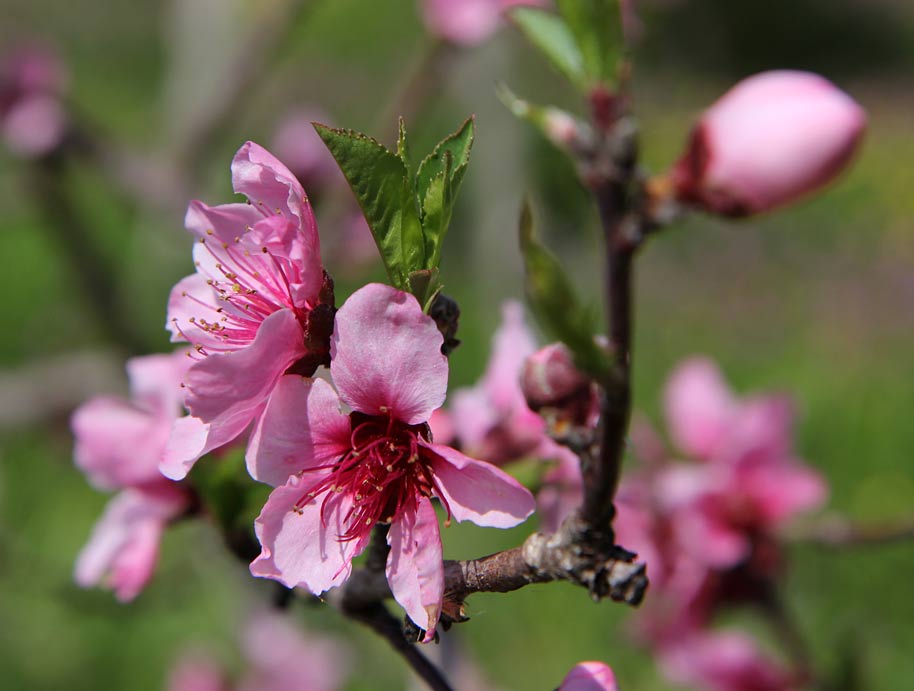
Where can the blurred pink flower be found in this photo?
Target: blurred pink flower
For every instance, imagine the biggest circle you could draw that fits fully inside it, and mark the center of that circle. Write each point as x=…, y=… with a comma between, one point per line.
x=296, y=144
x=562, y=489
x=124, y=546
x=32, y=117
x=337, y=475
x=283, y=657
x=708, y=528
x=118, y=445
x=258, y=306
x=774, y=137
x=278, y=655
x=467, y=22
x=589, y=676
x=724, y=661
x=492, y=419
x=196, y=671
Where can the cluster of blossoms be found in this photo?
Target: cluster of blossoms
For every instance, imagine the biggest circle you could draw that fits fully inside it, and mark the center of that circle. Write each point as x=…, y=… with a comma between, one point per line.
x=709, y=525
x=259, y=315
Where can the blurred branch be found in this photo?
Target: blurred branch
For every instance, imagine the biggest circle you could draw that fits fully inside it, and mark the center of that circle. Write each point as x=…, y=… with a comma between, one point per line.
x=53, y=387
x=89, y=268
x=267, y=37
x=839, y=532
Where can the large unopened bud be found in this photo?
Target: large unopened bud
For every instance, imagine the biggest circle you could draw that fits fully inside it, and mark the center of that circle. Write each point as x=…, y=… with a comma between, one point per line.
x=772, y=138
x=552, y=384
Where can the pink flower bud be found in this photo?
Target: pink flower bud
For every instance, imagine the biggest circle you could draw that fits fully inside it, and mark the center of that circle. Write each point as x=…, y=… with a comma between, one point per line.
x=771, y=139
x=549, y=379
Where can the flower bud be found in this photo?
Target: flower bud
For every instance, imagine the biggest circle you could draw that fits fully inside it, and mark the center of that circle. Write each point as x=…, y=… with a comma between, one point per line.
x=771, y=139
x=550, y=380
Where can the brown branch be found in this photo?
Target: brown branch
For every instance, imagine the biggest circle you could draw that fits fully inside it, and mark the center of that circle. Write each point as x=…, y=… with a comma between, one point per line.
x=576, y=553
x=378, y=619
x=836, y=532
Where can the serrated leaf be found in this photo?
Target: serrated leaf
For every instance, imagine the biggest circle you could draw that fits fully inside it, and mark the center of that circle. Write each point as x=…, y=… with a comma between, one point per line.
x=437, y=207
x=596, y=26
x=459, y=144
x=380, y=181
x=547, y=32
x=555, y=303
x=403, y=151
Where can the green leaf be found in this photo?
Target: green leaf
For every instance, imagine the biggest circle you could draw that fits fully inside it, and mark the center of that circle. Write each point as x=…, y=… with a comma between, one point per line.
x=403, y=151
x=425, y=285
x=458, y=145
x=597, y=29
x=437, y=207
x=547, y=32
x=380, y=181
x=555, y=304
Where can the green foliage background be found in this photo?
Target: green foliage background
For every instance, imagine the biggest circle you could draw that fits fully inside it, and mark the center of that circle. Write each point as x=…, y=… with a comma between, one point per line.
x=815, y=301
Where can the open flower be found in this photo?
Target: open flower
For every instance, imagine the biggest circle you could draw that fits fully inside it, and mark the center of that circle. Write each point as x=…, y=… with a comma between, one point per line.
x=118, y=445
x=339, y=474
x=259, y=305
x=467, y=22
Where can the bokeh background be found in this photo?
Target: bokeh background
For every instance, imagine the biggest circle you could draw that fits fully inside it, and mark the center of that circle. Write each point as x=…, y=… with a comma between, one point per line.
x=815, y=301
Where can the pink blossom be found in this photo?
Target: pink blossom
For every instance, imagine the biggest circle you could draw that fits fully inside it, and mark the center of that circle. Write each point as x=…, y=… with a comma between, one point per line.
x=119, y=443
x=549, y=380
x=338, y=474
x=32, y=117
x=492, y=419
x=118, y=446
x=258, y=306
x=589, y=676
x=562, y=490
x=282, y=657
x=124, y=546
x=724, y=661
x=771, y=139
x=197, y=672
x=467, y=22
x=301, y=149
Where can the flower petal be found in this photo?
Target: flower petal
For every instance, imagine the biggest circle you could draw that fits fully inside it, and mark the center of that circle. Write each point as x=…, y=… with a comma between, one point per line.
x=479, y=492
x=191, y=438
x=589, y=676
x=224, y=222
x=415, y=569
x=223, y=385
x=124, y=545
x=301, y=427
x=699, y=407
x=300, y=546
x=386, y=355
x=262, y=178
x=191, y=299
x=155, y=382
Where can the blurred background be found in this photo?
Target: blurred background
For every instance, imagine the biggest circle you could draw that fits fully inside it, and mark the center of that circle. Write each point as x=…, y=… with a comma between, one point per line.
x=814, y=301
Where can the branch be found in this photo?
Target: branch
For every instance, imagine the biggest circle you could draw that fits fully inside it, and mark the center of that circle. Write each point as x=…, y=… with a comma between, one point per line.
x=576, y=553
x=378, y=619
x=89, y=268
x=836, y=532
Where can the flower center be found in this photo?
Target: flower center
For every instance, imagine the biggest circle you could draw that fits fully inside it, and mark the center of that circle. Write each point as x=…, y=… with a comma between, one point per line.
x=385, y=473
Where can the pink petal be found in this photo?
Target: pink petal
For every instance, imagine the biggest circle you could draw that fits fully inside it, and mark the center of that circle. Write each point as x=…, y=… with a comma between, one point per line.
x=270, y=186
x=155, y=382
x=283, y=657
x=474, y=416
x=386, y=355
x=34, y=126
x=464, y=22
x=124, y=545
x=783, y=490
x=415, y=569
x=300, y=547
x=225, y=223
x=192, y=438
x=512, y=343
x=301, y=427
x=225, y=385
x=589, y=676
x=197, y=673
x=118, y=445
x=699, y=407
x=479, y=492
x=562, y=490
x=189, y=299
